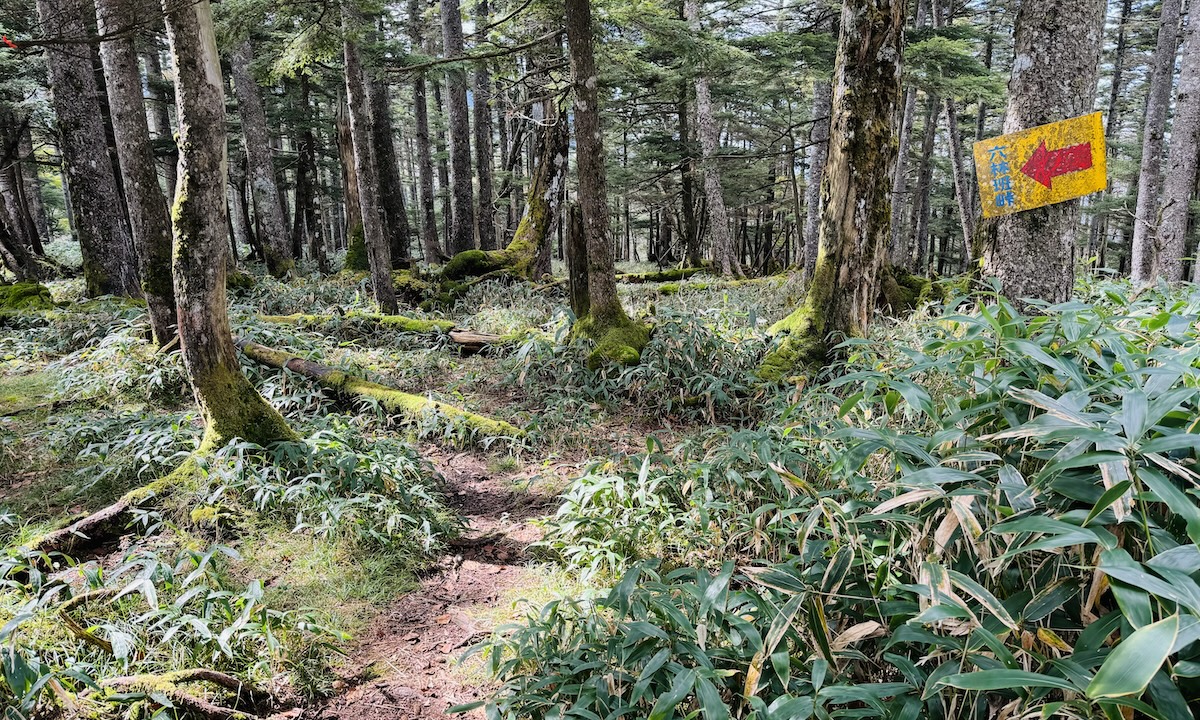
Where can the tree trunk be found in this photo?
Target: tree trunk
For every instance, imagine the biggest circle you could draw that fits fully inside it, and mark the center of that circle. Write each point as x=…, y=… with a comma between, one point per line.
x=33, y=185
x=429, y=232
x=109, y=263
x=921, y=206
x=1054, y=77
x=900, y=251
x=818, y=153
x=618, y=338
x=305, y=226
x=361, y=136
x=443, y=168
x=723, y=252
x=14, y=255
x=483, y=141
x=855, y=232
x=260, y=167
x=966, y=212
x=1180, y=178
x=391, y=186
x=158, y=116
x=577, y=268
x=230, y=405
x=1158, y=100
x=148, y=218
x=356, y=250
x=1097, y=233
x=687, y=184
x=462, y=206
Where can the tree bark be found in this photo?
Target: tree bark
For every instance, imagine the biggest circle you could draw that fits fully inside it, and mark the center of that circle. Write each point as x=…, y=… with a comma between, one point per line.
x=723, y=252
x=261, y=169
x=353, y=227
x=818, y=154
x=618, y=338
x=855, y=232
x=1158, y=100
x=158, y=116
x=429, y=231
x=148, y=219
x=391, y=186
x=921, y=207
x=1180, y=180
x=109, y=263
x=230, y=405
x=462, y=204
x=1057, y=45
x=361, y=135
x=13, y=253
x=486, y=218
x=899, y=250
x=443, y=167
x=306, y=229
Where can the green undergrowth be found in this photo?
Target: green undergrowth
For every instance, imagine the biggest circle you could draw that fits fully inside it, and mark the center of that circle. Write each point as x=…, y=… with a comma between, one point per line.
x=978, y=510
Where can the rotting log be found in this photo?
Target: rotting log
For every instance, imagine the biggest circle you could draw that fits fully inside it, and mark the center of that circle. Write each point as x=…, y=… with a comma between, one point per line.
x=469, y=341
x=256, y=701
x=410, y=407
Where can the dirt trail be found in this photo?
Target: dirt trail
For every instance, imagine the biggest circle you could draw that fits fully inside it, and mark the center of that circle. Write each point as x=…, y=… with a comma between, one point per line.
x=403, y=665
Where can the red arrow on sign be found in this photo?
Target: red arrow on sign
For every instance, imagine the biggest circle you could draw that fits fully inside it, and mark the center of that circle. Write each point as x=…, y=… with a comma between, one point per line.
x=1045, y=165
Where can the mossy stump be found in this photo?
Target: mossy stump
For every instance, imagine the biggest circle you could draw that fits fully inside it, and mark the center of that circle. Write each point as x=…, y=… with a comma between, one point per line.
x=619, y=340
x=25, y=296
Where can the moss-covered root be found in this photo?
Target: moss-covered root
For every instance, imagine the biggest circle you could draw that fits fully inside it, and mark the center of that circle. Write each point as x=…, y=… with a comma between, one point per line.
x=411, y=408
x=672, y=274
x=25, y=296
x=171, y=685
x=799, y=352
x=618, y=340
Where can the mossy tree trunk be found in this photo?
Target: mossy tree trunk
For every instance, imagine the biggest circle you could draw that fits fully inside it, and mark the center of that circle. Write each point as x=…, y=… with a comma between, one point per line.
x=148, y=217
x=260, y=166
x=1057, y=44
x=109, y=264
x=617, y=337
x=356, y=248
x=462, y=203
x=230, y=404
x=855, y=221
x=362, y=136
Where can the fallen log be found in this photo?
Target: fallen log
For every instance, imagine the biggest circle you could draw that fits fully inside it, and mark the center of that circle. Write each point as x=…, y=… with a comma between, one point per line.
x=258, y=702
x=410, y=407
x=469, y=341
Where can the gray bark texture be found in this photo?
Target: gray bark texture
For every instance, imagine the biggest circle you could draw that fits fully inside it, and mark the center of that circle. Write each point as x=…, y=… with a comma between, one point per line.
x=1057, y=45
x=230, y=405
x=486, y=218
x=818, y=154
x=429, y=231
x=33, y=185
x=109, y=263
x=921, y=207
x=268, y=203
x=723, y=253
x=157, y=115
x=462, y=203
x=899, y=248
x=361, y=136
x=1180, y=179
x=148, y=219
x=1158, y=101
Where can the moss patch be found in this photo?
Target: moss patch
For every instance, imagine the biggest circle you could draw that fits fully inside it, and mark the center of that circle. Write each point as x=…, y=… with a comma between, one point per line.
x=20, y=393
x=618, y=339
x=356, y=251
x=25, y=296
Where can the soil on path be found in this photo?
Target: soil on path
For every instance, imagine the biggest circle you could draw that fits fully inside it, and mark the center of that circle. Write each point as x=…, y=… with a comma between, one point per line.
x=404, y=665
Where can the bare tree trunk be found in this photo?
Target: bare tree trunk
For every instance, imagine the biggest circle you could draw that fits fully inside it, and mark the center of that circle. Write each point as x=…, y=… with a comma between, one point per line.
x=443, y=169
x=109, y=264
x=361, y=136
x=687, y=184
x=429, y=232
x=1158, y=100
x=966, y=212
x=818, y=153
x=483, y=141
x=1167, y=261
x=305, y=225
x=723, y=252
x=356, y=249
x=618, y=338
x=158, y=116
x=391, y=187
x=856, y=190
x=1114, y=119
x=462, y=204
x=921, y=207
x=260, y=168
x=230, y=405
x=12, y=252
x=148, y=217
x=33, y=185
x=1057, y=46
x=900, y=251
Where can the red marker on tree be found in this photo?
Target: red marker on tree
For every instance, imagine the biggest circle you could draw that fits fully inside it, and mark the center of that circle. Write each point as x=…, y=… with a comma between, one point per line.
x=9, y=43
x=1045, y=165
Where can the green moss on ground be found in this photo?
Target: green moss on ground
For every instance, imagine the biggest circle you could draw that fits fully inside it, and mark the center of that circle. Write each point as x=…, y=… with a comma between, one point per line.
x=25, y=296
x=391, y=322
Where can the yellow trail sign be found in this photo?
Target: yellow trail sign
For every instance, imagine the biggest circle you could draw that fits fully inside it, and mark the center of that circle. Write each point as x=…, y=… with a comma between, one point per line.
x=1041, y=166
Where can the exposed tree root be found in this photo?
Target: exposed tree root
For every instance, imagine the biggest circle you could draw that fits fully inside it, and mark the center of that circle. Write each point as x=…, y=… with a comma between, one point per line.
x=469, y=341
x=256, y=701
x=408, y=406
